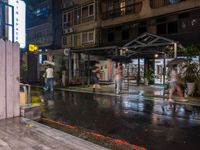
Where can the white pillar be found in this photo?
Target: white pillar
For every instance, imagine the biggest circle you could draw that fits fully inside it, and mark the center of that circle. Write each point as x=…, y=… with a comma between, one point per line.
x=2, y=81
x=175, y=50
x=16, y=79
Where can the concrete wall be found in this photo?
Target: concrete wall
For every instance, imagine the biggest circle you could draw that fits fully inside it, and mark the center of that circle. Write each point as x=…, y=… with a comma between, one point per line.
x=9, y=79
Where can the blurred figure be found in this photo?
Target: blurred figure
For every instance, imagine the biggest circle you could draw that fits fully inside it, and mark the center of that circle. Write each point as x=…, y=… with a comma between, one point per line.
x=118, y=78
x=50, y=78
x=95, y=75
x=173, y=84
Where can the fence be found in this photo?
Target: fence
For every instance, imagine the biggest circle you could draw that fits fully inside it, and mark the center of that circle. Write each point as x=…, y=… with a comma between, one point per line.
x=9, y=79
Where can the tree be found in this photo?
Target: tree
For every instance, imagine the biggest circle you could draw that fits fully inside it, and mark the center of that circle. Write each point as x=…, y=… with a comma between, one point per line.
x=190, y=50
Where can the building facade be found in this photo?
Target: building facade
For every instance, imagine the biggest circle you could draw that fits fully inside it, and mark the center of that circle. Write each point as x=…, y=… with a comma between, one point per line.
x=40, y=24
x=123, y=20
x=39, y=31
x=79, y=24
x=89, y=25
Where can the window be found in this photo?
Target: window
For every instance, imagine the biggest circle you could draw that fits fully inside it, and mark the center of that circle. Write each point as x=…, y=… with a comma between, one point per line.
x=91, y=10
x=142, y=28
x=84, y=37
x=42, y=12
x=111, y=37
x=172, y=27
x=77, y=16
x=88, y=37
x=161, y=28
x=88, y=11
x=125, y=32
x=67, y=19
x=65, y=40
x=162, y=3
x=184, y=16
x=122, y=7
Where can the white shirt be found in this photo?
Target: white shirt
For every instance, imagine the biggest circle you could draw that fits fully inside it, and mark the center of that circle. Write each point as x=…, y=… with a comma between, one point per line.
x=49, y=73
x=173, y=75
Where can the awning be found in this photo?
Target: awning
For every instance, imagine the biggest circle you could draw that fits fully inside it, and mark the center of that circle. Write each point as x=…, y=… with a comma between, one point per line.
x=147, y=45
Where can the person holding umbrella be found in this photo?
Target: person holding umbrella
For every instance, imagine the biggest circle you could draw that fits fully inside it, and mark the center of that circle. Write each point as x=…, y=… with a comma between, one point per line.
x=95, y=75
x=50, y=78
x=174, y=86
x=118, y=78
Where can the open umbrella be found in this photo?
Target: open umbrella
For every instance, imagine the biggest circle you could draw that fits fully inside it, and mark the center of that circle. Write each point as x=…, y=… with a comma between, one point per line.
x=177, y=61
x=122, y=59
x=46, y=62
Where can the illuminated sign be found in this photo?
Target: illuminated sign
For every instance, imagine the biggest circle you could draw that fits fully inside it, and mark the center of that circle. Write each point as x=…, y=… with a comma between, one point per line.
x=19, y=22
x=32, y=48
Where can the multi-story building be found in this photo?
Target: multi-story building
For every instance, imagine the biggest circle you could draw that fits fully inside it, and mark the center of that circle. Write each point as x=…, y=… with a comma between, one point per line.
x=89, y=25
x=124, y=20
x=79, y=22
x=40, y=32
x=40, y=25
x=12, y=26
x=81, y=26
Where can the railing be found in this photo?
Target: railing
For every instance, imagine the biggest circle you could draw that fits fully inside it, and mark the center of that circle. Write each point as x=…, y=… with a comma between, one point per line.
x=161, y=3
x=9, y=79
x=127, y=10
x=87, y=19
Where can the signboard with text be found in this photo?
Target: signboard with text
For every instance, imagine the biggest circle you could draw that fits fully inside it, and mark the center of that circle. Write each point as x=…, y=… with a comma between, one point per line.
x=19, y=18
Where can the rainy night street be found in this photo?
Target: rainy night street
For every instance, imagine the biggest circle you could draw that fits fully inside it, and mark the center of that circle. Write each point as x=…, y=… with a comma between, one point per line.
x=150, y=123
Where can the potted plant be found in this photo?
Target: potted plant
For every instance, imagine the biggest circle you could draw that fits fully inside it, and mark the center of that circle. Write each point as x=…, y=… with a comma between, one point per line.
x=197, y=85
x=148, y=77
x=191, y=69
x=190, y=75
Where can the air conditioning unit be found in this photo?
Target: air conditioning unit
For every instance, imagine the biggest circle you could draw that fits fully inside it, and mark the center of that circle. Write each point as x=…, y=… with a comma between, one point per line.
x=68, y=30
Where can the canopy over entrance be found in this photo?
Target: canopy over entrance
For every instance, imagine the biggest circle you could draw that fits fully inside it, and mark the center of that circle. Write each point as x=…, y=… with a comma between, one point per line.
x=147, y=45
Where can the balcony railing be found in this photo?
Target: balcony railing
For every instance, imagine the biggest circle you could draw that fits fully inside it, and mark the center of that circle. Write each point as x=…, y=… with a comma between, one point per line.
x=161, y=3
x=127, y=10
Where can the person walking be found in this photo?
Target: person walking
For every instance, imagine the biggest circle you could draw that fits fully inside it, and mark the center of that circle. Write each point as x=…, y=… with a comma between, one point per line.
x=118, y=78
x=95, y=75
x=50, y=78
x=173, y=83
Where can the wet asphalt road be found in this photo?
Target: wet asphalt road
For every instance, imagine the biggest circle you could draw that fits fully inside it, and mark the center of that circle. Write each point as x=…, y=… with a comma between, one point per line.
x=154, y=124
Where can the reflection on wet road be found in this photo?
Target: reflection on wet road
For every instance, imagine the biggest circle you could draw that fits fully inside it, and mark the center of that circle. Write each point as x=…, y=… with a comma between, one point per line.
x=154, y=124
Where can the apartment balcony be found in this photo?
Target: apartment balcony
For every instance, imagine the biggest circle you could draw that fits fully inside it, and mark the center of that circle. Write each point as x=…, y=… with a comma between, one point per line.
x=122, y=11
x=161, y=3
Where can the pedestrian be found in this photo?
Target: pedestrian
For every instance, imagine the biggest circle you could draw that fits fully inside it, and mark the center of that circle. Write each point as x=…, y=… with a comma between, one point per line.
x=173, y=84
x=95, y=75
x=50, y=78
x=118, y=78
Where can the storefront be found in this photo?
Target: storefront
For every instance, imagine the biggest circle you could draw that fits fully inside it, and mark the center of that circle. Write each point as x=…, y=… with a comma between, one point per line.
x=150, y=52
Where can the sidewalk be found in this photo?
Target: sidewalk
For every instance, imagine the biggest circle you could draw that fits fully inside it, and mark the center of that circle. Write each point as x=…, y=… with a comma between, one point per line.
x=24, y=134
